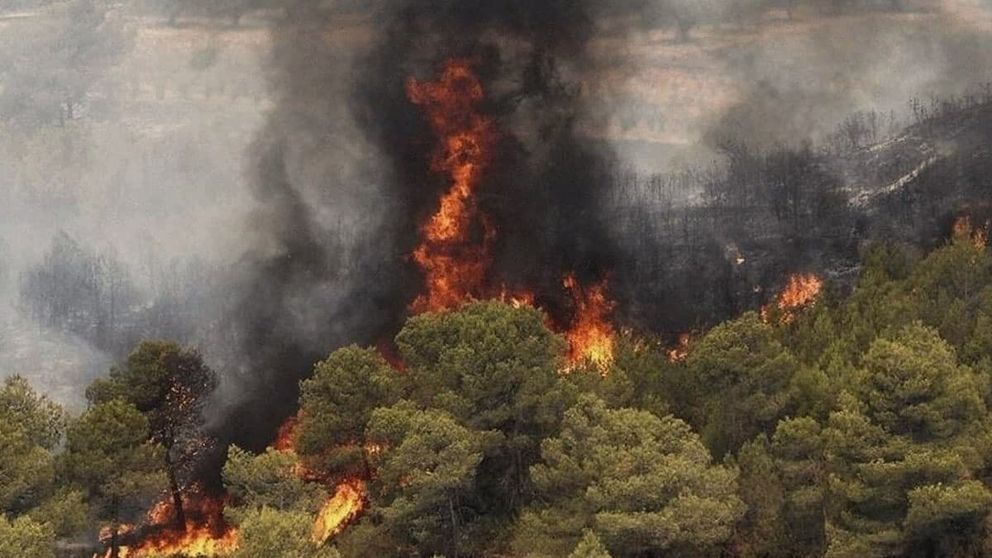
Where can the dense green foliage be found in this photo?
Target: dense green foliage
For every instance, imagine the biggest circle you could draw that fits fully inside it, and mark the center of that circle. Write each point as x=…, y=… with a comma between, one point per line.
x=278, y=534
x=859, y=426
x=169, y=386
x=109, y=456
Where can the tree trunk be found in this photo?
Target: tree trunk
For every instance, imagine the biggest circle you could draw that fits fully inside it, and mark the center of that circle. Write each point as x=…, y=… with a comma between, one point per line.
x=114, y=531
x=177, y=496
x=454, y=529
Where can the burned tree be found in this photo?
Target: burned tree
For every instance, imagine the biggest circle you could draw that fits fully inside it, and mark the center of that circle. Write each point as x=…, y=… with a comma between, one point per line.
x=169, y=385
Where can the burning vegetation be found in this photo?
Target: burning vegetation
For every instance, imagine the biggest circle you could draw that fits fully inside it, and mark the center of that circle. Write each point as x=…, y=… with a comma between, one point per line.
x=465, y=435
x=591, y=336
x=963, y=229
x=347, y=498
x=800, y=291
x=454, y=253
x=343, y=508
x=410, y=462
x=681, y=351
x=204, y=533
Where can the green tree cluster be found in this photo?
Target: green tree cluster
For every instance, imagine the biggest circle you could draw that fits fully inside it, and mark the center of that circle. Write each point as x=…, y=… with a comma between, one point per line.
x=483, y=445
x=859, y=427
x=66, y=478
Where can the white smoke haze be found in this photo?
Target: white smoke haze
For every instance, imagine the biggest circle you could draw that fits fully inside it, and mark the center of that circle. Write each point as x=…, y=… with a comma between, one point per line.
x=143, y=141
x=149, y=166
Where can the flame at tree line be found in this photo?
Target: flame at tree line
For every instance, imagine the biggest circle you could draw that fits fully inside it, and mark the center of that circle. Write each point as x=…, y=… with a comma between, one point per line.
x=454, y=252
x=591, y=336
x=204, y=533
x=343, y=506
x=681, y=351
x=801, y=291
x=964, y=229
x=451, y=254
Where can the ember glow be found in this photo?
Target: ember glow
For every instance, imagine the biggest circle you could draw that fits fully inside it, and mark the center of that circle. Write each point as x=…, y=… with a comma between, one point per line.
x=285, y=438
x=454, y=249
x=681, y=351
x=338, y=512
x=591, y=336
x=964, y=229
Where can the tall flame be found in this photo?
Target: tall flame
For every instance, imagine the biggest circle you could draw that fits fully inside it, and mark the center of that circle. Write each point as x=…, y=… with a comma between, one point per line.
x=591, y=335
x=347, y=502
x=454, y=252
x=451, y=255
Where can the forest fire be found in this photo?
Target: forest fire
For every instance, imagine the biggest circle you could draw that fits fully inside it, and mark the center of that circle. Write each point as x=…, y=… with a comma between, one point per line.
x=681, y=351
x=801, y=291
x=340, y=509
x=284, y=437
x=454, y=250
x=204, y=533
x=591, y=335
x=964, y=229
x=347, y=502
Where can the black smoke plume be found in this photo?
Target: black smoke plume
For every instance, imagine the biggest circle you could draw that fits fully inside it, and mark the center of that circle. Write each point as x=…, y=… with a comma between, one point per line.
x=343, y=179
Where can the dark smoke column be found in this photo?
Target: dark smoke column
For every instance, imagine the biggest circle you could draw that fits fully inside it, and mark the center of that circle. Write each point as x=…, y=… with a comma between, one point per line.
x=540, y=189
x=344, y=183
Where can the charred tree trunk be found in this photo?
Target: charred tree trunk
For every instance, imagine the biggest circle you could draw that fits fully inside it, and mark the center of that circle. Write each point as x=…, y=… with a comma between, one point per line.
x=454, y=528
x=174, y=488
x=114, y=543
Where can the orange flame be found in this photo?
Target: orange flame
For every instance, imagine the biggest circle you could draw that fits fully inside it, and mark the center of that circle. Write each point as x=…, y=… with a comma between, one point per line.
x=204, y=534
x=193, y=541
x=389, y=352
x=286, y=436
x=591, y=335
x=680, y=352
x=452, y=257
x=347, y=502
x=517, y=299
x=964, y=229
x=454, y=252
x=801, y=291
x=349, y=498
